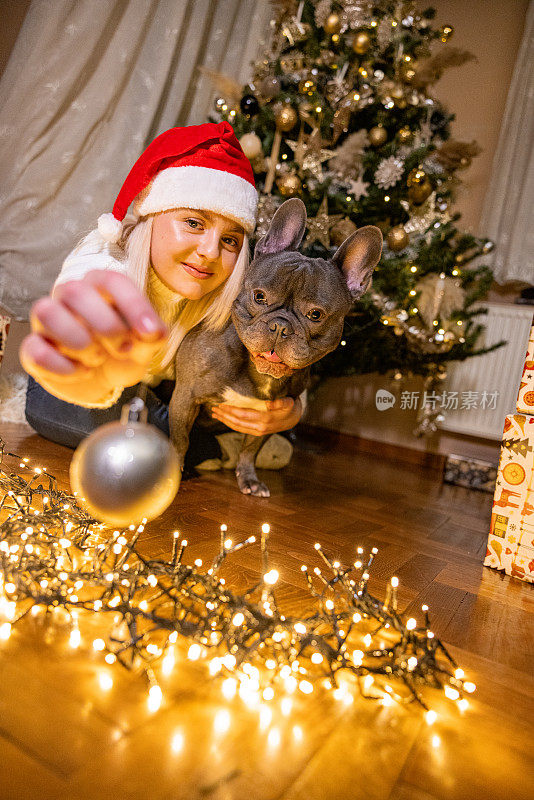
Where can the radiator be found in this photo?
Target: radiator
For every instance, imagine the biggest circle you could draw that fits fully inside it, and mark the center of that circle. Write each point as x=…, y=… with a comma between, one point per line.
x=499, y=372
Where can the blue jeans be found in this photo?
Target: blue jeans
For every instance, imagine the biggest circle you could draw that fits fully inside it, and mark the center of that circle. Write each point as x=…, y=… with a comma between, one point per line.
x=67, y=424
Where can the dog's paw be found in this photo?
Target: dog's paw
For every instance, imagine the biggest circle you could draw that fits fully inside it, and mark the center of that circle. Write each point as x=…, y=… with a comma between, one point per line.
x=254, y=487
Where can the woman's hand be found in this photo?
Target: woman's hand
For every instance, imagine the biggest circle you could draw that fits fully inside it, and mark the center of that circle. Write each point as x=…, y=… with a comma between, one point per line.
x=91, y=336
x=280, y=415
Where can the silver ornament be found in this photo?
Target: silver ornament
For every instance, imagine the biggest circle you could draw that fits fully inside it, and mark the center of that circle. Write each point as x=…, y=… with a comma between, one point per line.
x=126, y=471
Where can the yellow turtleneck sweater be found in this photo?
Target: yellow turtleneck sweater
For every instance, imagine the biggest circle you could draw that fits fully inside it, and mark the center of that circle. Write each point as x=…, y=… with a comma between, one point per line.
x=168, y=304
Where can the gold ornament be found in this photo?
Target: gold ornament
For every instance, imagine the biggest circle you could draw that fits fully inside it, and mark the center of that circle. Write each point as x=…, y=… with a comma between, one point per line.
x=289, y=185
x=307, y=86
x=378, y=136
x=397, y=239
x=404, y=135
x=361, y=43
x=126, y=471
x=407, y=71
x=319, y=226
x=251, y=145
x=446, y=32
x=420, y=192
x=332, y=24
x=341, y=231
x=286, y=118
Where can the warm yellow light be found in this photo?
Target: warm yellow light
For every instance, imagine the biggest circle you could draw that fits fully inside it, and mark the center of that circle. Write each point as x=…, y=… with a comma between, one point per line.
x=268, y=693
x=436, y=741
x=394, y=582
x=300, y=627
x=367, y=640
x=194, y=652
x=274, y=738
x=177, y=742
x=155, y=697
x=266, y=717
x=413, y=269
x=412, y=663
x=356, y=617
x=469, y=687
x=99, y=644
x=75, y=638
x=110, y=658
x=5, y=631
x=286, y=706
x=306, y=687
x=105, y=681
x=270, y=663
x=431, y=717
x=168, y=662
x=229, y=688
x=227, y=544
x=411, y=624
x=451, y=693
x=463, y=704
x=271, y=577
x=316, y=658
x=459, y=673
x=265, y=528
x=357, y=656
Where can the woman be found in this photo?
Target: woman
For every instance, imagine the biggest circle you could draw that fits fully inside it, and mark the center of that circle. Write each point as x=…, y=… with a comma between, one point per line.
x=126, y=297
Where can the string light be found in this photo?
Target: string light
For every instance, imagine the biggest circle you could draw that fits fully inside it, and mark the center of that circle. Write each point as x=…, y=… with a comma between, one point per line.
x=259, y=653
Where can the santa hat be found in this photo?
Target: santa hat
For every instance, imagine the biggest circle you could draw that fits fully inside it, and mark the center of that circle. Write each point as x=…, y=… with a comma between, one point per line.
x=201, y=166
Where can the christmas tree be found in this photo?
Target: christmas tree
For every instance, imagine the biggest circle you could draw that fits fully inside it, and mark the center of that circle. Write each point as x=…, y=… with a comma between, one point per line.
x=340, y=112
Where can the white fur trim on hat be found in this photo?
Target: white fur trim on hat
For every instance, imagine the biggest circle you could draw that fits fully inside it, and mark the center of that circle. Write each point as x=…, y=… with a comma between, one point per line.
x=203, y=188
x=109, y=228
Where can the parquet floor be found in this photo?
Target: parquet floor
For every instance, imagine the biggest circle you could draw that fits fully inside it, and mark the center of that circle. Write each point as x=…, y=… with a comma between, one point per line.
x=62, y=737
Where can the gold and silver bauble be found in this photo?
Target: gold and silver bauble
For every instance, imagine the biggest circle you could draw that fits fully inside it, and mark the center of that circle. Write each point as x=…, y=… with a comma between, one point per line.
x=332, y=24
x=126, y=471
x=341, y=230
x=289, y=184
x=286, y=118
x=361, y=43
x=307, y=86
x=446, y=32
x=397, y=239
x=378, y=136
x=251, y=145
x=418, y=193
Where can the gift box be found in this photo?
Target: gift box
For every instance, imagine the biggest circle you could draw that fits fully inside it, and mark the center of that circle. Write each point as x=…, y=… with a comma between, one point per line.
x=525, y=398
x=511, y=539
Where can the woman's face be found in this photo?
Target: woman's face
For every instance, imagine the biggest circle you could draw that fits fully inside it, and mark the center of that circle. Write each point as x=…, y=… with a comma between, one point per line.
x=192, y=251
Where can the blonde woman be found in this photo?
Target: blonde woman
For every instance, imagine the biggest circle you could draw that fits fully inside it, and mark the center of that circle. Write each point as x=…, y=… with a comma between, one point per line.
x=128, y=294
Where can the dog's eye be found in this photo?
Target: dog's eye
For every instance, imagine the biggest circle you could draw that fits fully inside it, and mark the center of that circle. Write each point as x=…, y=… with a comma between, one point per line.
x=315, y=314
x=259, y=297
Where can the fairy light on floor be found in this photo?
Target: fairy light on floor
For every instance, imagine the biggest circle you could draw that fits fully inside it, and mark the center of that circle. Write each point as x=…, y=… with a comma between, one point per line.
x=55, y=557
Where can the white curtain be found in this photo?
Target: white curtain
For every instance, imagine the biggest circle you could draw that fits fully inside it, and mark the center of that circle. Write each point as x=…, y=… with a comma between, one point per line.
x=88, y=84
x=507, y=216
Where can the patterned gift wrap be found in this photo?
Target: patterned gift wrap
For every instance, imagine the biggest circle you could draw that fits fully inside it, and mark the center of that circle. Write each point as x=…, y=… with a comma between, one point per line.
x=511, y=538
x=525, y=398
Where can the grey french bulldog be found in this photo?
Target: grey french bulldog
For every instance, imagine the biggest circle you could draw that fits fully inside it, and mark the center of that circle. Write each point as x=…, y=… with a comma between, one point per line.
x=288, y=314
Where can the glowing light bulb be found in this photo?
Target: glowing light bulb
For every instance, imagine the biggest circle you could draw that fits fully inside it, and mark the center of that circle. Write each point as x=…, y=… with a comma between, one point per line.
x=266, y=716
x=459, y=673
x=316, y=658
x=286, y=706
x=431, y=717
x=265, y=528
x=297, y=733
x=271, y=577
x=395, y=582
x=75, y=638
x=5, y=631
x=229, y=688
x=300, y=627
x=105, y=681
x=99, y=644
x=469, y=687
x=451, y=693
x=411, y=624
x=306, y=687
x=177, y=742
x=194, y=652
x=268, y=693
x=155, y=697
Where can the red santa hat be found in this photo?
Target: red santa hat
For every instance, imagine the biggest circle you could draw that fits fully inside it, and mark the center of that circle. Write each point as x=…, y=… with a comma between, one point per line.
x=201, y=166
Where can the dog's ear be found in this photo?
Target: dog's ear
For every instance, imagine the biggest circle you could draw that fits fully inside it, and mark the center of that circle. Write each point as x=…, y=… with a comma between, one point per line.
x=286, y=229
x=358, y=256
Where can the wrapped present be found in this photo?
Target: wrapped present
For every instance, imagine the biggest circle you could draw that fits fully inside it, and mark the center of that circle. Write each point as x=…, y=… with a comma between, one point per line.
x=525, y=398
x=511, y=539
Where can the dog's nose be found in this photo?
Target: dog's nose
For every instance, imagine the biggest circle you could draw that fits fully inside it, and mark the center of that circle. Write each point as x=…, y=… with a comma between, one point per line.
x=280, y=327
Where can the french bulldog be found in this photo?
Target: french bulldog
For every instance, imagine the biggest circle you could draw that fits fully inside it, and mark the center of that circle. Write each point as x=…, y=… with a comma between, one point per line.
x=288, y=314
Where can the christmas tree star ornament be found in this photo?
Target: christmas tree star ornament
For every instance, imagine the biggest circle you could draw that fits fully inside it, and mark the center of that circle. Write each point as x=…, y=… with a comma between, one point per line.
x=126, y=471
x=319, y=226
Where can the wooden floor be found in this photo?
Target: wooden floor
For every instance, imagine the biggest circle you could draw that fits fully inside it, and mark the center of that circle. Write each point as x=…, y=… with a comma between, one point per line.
x=61, y=736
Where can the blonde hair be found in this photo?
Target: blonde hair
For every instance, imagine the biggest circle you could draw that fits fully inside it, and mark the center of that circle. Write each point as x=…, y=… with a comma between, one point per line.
x=213, y=309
